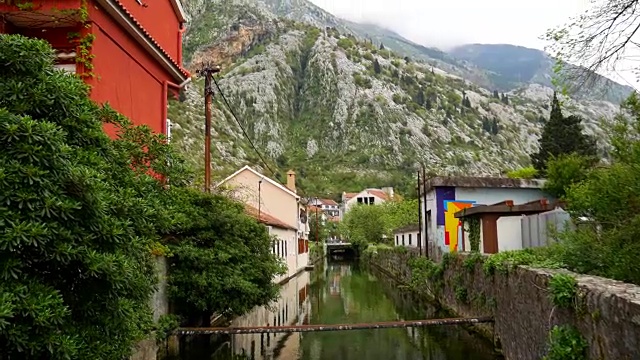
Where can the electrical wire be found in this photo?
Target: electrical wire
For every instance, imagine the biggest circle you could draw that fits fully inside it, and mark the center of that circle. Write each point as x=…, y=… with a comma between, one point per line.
x=226, y=102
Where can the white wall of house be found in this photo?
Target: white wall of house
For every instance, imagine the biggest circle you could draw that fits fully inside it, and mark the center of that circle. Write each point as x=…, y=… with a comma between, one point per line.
x=510, y=233
x=257, y=190
x=406, y=238
x=287, y=310
x=286, y=248
x=481, y=196
x=363, y=195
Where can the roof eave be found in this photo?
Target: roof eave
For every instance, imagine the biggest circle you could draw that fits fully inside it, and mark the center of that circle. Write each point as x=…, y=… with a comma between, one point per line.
x=127, y=23
x=177, y=7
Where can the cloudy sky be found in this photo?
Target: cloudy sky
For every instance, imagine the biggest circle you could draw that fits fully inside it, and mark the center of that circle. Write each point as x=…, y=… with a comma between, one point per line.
x=444, y=23
x=447, y=23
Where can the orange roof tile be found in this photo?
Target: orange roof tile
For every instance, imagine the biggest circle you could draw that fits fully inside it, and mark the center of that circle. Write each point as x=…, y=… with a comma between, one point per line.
x=350, y=195
x=379, y=193
x=328, y=202
x=334, y=219
x=313, y=208
x=266, y=218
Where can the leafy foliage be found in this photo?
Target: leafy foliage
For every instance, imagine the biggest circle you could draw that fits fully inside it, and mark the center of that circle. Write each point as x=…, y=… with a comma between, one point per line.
x=566, y=343
x=365, y=224
x=81, y=215
x=524, y=173
x=608, y=199
x=564, y=171
x=562, y=135
x=222, y=259
x=562, y=290
x=76, y=228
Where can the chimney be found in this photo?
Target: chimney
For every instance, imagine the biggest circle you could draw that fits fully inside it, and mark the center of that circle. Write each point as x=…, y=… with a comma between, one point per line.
x=291, y=180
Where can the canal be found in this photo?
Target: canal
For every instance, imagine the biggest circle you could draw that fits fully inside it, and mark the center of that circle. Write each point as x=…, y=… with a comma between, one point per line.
x=338, y=293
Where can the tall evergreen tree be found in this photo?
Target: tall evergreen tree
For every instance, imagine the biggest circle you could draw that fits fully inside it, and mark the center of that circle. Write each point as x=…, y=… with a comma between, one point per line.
x=560, y=136
x=376, y=66
x=381, y=46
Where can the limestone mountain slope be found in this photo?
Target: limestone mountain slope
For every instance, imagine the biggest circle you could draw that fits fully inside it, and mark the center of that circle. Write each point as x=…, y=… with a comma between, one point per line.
x=341, y=111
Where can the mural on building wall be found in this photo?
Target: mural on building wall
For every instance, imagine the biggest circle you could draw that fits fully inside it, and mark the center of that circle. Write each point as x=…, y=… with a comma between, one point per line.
x=452, y=225
x=445, y=216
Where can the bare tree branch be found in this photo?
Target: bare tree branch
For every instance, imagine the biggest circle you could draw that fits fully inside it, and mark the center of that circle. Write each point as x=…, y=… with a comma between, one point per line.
x=597, y=41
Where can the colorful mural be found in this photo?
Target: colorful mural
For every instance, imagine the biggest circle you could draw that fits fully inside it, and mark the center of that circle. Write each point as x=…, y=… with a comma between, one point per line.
x=453, y=226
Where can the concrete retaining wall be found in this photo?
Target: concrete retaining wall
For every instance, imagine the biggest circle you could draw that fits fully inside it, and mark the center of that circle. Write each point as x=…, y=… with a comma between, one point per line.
x=607, y=315
x=147, y=349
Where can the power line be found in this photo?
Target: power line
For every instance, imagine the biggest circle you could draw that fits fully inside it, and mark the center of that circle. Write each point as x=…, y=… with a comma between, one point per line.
x=224, y=98
x=226, y=102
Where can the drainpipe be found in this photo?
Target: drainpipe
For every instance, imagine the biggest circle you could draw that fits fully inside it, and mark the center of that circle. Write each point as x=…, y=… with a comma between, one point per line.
x=165, y=94
x=180, y=37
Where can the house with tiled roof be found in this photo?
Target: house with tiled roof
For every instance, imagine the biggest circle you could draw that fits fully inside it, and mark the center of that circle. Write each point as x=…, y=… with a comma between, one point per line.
x=329, y=206
x=366, y=197
x=128, y=51
x=279, y=207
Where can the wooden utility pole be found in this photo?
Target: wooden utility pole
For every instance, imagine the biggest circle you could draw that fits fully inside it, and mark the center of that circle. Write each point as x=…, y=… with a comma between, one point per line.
x=426, y=224
x=419, y=216
x=207, y=71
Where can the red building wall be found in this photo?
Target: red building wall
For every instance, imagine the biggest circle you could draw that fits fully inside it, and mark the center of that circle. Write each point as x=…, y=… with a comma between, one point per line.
x=126, y=76
x=161, y=21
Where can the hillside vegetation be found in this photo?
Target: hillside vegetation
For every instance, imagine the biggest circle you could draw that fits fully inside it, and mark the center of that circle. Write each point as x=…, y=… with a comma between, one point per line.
x=346, y=112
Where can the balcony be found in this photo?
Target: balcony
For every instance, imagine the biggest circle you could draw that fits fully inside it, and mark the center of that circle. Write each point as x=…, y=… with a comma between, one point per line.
x=41, y=14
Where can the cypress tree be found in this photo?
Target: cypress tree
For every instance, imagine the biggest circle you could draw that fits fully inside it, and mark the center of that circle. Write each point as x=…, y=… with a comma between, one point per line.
x=562, y=135
x=376, y=66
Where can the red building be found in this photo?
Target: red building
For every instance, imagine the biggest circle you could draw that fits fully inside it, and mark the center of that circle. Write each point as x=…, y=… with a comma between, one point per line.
x=129, y=51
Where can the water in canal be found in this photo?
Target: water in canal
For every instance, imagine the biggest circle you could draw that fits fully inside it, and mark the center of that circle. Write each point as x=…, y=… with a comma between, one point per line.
x=338, y=293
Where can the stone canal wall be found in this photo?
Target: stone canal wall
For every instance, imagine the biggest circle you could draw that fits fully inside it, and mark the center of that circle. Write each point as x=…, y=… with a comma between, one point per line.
x=605, y=312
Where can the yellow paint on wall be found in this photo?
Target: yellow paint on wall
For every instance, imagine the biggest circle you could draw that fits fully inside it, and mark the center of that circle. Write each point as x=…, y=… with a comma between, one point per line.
x=451, y=224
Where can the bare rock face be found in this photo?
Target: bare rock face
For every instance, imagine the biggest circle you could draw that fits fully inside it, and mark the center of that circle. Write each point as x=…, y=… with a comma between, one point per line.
x=330, y=103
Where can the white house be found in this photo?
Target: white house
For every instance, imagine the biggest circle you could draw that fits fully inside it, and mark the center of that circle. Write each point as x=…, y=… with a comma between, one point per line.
x=366, y=197
x=408, y=236
x=443, y=197
x=279, y=207
x=293, y=307
x=328, y=206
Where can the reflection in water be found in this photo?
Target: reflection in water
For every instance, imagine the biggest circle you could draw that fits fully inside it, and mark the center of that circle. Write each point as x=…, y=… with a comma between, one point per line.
x=342, y=293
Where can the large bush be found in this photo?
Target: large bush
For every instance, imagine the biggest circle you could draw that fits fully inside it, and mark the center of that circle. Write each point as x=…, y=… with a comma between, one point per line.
x=81, y=214
x=222, y=260
x=76, y=270
x=607, y=243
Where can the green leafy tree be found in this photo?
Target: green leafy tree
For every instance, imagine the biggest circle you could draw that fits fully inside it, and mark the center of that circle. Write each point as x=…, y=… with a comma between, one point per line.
x=362, y=225
x=565, y=171
x=81, y=216
x=222, y=259
x=76, y=230
x=562, y=135
x=366, y=224
x=317, y=230
x=607, y=244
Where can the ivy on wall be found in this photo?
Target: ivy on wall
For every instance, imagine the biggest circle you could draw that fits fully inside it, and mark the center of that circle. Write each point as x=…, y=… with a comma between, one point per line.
x=473, y=226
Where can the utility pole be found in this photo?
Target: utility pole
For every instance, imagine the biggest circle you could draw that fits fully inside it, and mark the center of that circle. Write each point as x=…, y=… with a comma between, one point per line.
x=419, y=216
x=426, y=224
x=207, y=71
x=317, y=226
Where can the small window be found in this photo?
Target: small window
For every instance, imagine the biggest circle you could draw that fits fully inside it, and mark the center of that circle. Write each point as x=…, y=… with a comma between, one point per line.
x=402, y=239
x=372, y=200
x=409, y=239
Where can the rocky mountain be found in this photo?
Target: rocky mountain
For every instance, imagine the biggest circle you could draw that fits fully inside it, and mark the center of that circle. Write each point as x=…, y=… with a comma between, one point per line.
x=510, y=67
x=314, y=94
